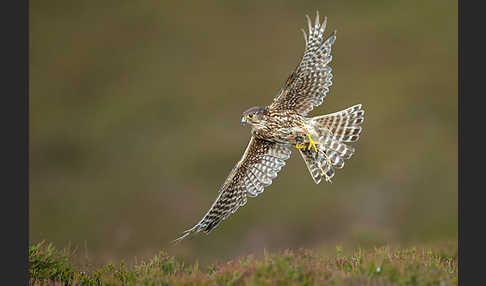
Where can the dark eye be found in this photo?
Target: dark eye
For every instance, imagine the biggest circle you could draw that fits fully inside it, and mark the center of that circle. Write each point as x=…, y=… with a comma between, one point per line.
x=250, y=115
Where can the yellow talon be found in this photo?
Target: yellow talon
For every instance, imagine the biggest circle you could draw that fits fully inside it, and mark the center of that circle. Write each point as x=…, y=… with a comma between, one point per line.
x=312, y=144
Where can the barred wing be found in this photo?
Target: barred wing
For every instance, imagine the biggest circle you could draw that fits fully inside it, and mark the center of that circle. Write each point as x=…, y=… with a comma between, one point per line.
x=260, y=164
x=308, y=85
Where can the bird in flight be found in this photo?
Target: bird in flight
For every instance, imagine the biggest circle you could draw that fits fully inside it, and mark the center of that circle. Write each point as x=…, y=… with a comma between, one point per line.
x=283, y=124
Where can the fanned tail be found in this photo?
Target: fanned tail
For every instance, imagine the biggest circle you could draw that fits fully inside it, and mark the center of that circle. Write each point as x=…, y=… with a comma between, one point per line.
x=333, y=130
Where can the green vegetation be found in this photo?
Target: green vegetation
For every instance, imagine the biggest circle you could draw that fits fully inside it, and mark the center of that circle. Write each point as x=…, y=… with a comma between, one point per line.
x=379, y=266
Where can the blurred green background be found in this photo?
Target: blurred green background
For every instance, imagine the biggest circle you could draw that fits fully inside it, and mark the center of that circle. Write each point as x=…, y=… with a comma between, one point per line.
x=134, y=124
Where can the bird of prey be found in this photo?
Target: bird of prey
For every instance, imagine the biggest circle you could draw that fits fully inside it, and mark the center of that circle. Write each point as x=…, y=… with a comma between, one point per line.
x=283, y=124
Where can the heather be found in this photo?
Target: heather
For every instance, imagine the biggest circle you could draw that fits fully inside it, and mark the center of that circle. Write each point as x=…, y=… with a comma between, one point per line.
x=377, y=266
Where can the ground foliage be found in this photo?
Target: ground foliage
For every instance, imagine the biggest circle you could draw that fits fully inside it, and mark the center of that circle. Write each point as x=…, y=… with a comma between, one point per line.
x=377, y=266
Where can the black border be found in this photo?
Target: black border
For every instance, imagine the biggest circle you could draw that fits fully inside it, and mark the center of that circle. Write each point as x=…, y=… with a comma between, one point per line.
x=471, y=187
x=14, y=23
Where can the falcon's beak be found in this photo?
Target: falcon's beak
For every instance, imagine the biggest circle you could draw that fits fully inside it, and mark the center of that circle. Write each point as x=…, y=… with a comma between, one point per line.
x=243, y=120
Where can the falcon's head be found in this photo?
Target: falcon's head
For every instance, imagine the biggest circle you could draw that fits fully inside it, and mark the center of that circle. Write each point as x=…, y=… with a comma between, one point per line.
x=254, y=115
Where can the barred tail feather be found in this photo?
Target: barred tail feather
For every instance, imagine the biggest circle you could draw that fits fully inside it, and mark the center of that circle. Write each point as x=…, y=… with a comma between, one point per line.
x=343, y=125
x=317, y=164
x=336, y=160
x=344, y=151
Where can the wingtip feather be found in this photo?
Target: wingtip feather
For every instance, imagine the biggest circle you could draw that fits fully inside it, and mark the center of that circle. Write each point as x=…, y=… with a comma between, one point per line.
x=309, y=23
x=185, y=234
x=323, y=25
x=305, y=36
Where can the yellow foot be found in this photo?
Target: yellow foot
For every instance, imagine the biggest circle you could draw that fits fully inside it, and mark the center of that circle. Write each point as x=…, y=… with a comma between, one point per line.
x=300, y=146
x=312, y=144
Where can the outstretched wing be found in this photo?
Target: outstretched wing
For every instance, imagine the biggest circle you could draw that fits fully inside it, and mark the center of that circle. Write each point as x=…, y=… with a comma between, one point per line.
x=260, y=164
x=308, y=84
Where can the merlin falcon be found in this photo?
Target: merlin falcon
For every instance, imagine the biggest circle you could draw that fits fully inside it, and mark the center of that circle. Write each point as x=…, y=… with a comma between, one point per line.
x=278, y=127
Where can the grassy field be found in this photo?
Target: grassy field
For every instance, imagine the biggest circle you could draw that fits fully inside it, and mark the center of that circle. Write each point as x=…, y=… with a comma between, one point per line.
x=386, y=265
